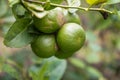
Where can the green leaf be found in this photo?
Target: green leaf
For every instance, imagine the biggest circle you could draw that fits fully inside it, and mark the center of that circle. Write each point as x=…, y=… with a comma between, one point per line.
x=53, y=1
x=18, y=11
x=56, y=65
x=18, y=36
x=49, y=69
x=37, y=10
x=34, y=6
x=39, y=14
x=32, y=72
x=38, y=73
x=41, y=72
x=9, y=19
x=11, y=71
x=94, y=72
x=13, y=2
x=3, y=7
x=104, y=24
x=112, y=2
x=118, y=13
x=61, y=67
x=1, y=63
x=47, y=5
x=74, y=3
x=77, y=62
x=56, y=1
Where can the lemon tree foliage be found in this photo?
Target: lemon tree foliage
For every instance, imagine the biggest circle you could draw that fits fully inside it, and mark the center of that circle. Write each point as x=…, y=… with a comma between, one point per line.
x=18, y=35
x=49, y=69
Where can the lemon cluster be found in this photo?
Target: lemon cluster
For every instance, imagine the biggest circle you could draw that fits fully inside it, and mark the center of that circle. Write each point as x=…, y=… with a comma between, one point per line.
x=61, y=34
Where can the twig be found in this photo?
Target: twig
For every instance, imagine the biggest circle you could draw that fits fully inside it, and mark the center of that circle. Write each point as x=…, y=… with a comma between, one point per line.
x=65, y=6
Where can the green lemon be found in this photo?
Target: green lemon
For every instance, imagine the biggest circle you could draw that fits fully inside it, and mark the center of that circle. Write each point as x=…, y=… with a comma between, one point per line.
x=50, y=23
x=63, y=55
x=44, y=46
x=71, y=17
x=70, y=37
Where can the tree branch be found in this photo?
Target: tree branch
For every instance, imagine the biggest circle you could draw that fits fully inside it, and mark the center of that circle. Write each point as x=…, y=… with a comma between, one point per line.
x=65, y=6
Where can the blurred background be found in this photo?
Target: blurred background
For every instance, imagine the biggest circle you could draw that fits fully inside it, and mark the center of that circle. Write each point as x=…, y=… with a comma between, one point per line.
x=99, y=59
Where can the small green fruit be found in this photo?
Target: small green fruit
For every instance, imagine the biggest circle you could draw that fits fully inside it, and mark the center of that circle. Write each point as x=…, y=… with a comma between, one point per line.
x=44, y=46
x=71, y=17
x=63, y=55
x=70, y=37
x=50, y=23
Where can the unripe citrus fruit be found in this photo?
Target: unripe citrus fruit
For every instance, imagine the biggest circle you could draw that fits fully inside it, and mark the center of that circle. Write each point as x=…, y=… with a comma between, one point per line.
x=44, y=46
x=63, y=55
x=70, y=37
x=50, y=23
x=71, y=17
